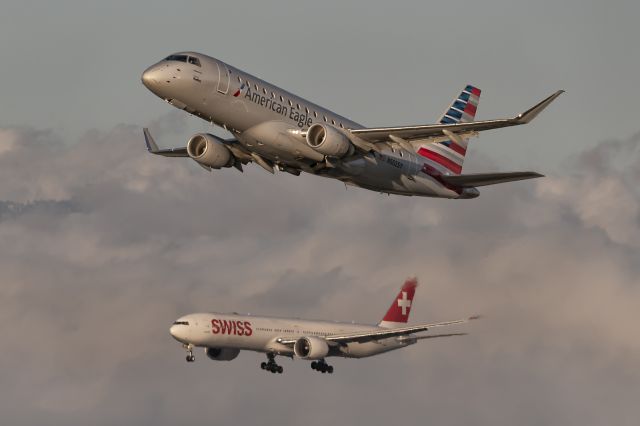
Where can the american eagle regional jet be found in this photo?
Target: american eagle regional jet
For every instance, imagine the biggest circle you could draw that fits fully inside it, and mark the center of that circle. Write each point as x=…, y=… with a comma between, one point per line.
x=223, y=336
x=279, y=130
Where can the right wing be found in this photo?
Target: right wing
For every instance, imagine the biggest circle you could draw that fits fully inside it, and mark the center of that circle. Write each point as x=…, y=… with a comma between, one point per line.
x=483, y=179
x=152, y=147
x=241, y=155
x=409, y=133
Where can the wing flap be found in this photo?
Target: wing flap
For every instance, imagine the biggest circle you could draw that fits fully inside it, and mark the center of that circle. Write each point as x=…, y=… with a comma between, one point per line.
x=378, y=134
x=484, y=179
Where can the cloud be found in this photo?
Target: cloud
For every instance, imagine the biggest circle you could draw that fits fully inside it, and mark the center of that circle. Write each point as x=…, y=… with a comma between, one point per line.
x=102, y=246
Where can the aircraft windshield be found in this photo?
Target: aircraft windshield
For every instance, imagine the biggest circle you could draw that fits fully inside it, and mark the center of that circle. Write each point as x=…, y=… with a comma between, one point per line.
x=181, y=323
x=183, y=58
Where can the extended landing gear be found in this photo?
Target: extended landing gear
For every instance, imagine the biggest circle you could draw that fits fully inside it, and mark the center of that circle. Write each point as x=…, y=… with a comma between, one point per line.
x=190, y=356
x=271, y=365
x=322, y=366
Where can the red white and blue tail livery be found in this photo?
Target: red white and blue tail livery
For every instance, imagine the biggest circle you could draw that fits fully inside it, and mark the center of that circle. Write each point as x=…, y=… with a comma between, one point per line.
x=447, y=156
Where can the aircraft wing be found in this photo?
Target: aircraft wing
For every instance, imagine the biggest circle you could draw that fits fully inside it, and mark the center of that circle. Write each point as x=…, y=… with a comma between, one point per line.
x=368, y=336
x=483, y=179
x=381, y=333
x=236, y=149
x=152, y=147
x=380, y=134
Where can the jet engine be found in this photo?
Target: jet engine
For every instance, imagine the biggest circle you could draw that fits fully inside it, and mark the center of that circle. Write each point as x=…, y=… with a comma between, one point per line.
x=328, y=140
x=221, y=354
x=209, y=150
x=311, y=348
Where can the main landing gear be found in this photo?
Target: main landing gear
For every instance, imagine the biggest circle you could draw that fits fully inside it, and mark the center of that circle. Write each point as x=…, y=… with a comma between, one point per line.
x=190, y=356
x=322, y=366
x=271, y=365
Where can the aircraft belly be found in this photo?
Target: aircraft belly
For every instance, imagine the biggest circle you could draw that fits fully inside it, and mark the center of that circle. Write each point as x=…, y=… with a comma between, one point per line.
x=274, y=140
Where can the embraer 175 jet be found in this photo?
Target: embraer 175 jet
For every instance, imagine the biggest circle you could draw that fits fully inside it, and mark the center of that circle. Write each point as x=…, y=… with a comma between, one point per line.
x=224, y=335
x=277, y=129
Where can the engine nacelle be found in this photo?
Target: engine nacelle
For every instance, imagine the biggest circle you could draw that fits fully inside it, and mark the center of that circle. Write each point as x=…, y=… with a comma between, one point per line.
x=311, y=347
x=328, y=140
x=209, y=150
x=221, y=354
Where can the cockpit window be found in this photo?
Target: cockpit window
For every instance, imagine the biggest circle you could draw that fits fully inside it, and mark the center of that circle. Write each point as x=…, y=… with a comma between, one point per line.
x=181, y=58
x=181, y=323
x=194, y=61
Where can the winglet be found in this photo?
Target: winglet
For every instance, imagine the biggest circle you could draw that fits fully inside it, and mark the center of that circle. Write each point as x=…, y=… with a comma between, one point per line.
x=148, y=139
x=532, y=113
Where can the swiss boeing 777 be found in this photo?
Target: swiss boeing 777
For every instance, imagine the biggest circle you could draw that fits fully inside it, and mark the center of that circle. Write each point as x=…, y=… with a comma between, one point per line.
x=224, y=335
x=277, y=129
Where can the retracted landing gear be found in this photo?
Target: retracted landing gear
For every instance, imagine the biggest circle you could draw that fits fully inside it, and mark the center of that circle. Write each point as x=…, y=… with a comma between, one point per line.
x=322, y=366
x=189, y=348
x=271, y=365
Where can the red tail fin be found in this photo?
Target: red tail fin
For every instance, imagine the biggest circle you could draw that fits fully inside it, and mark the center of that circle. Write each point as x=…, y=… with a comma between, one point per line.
x=398, y=313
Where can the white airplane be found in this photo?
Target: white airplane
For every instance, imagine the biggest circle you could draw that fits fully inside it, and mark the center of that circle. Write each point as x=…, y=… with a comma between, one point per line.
x=223, y=336
x=277, y=129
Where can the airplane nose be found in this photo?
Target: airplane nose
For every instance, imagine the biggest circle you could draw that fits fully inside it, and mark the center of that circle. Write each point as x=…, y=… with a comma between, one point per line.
x=150, y=76
x=173, y=330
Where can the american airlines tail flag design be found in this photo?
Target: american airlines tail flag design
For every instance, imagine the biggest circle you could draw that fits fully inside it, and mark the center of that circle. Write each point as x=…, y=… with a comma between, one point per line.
x=398, y=313
x=448, y=156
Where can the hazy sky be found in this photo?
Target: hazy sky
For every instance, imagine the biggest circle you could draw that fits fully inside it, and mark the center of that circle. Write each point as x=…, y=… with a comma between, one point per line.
x=102, y=246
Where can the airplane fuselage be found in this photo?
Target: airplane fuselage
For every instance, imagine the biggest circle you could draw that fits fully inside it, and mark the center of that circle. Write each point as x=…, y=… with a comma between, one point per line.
x=270, y=122
x=262, y=334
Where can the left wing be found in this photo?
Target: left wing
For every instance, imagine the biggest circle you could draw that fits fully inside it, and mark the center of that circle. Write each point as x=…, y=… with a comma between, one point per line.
x=381, y=134
x=384, y=334
x=368, y=336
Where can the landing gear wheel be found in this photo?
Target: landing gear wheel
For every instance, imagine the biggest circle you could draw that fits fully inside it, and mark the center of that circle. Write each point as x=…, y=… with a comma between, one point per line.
x=322, y=366
x=271, y=365
x=189, y=349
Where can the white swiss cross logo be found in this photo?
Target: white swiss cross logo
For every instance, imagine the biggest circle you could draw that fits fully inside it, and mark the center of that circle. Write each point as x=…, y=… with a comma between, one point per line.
x=404, y=303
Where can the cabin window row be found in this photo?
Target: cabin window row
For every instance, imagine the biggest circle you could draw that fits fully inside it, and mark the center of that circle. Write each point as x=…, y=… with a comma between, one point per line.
x=274, y=96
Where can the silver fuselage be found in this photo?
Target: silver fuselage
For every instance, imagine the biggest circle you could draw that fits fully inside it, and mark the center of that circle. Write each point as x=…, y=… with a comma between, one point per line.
x=268, y=121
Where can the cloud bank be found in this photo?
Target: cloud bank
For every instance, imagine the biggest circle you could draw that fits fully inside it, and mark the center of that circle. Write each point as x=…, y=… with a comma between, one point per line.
x=102, y=246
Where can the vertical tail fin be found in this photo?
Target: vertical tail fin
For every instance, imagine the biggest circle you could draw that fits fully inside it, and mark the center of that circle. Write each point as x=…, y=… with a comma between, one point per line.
x=448, y=156
x=398, y=313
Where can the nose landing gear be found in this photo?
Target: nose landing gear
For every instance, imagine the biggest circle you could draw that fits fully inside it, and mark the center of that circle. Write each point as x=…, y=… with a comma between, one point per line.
x=190, y=357
x=271, y=365
x=322, y=366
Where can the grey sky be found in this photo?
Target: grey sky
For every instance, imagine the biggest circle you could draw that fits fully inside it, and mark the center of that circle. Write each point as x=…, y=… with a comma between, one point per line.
x=103, y=245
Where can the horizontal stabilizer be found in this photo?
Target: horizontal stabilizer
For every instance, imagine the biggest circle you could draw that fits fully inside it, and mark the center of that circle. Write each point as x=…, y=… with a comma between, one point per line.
x=484, y=179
